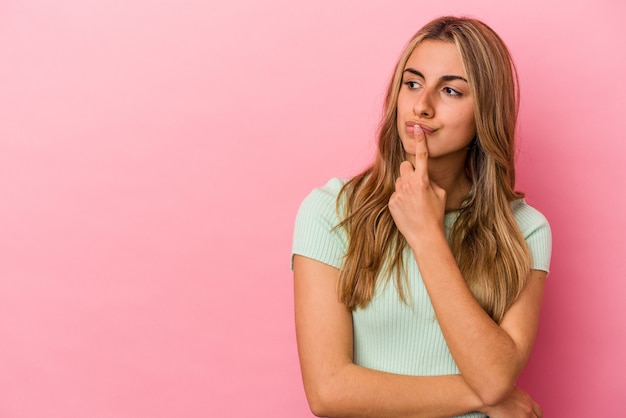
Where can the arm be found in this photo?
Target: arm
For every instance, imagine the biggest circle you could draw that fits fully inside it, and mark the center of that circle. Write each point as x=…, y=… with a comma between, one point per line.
x=334, y=385
x=489, y=356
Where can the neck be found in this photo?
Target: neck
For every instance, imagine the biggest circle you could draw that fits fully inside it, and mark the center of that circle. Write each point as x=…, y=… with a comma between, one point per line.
x=453, y=179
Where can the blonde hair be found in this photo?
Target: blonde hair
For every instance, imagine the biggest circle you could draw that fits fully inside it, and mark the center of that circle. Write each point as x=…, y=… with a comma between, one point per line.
x=485, y=240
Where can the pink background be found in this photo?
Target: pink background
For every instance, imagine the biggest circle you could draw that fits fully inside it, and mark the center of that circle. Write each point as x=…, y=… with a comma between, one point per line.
x=153, y=155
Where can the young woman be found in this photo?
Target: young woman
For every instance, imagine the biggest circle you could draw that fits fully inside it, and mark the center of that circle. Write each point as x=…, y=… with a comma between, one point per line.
x=418, y=282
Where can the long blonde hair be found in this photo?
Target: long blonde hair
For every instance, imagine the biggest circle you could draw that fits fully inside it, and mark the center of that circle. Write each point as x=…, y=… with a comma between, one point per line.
x=485, y=240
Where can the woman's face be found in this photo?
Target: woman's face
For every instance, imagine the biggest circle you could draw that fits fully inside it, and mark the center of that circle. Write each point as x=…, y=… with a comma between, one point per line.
x=435, y=94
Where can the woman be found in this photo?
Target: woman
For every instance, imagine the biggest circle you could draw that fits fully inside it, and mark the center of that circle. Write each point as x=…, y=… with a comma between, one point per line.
x=418, y=282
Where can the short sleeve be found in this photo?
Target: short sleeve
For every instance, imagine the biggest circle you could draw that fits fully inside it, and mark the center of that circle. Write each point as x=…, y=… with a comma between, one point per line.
x=536, y=231
x=316, y=234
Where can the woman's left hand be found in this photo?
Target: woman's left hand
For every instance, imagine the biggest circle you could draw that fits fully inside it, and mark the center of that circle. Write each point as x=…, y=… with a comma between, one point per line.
x=518, y=404
x=418, y=204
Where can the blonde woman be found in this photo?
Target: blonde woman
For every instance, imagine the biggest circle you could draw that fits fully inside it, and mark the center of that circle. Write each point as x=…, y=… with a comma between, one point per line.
x=418, y=282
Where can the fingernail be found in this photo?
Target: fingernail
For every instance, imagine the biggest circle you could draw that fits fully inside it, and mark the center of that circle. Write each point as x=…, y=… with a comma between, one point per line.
x=417, y=129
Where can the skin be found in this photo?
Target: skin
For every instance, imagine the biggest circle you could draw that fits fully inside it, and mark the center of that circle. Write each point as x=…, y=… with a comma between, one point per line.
x=490, y=356
x=435, y=93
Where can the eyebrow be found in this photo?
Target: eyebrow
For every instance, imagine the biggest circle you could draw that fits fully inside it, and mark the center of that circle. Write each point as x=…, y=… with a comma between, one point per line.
x=442, y=78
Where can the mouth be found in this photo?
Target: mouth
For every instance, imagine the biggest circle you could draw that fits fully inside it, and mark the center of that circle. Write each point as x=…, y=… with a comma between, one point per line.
x=411, y=127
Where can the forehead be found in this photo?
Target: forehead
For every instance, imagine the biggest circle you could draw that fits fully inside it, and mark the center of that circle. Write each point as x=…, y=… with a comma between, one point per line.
x=436, y=58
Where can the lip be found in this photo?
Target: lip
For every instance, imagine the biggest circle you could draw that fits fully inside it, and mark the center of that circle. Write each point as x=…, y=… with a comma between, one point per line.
x=427, y=129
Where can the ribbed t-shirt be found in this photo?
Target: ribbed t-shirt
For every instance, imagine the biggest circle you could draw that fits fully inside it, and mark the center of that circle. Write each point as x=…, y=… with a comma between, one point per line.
x=390, y=335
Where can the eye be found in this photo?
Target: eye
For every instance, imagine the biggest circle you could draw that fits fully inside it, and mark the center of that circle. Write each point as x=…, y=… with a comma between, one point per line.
x=412, y=84
x=452, y=92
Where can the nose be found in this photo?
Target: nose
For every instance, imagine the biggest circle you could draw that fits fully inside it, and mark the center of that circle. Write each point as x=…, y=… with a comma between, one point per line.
x=423, y=106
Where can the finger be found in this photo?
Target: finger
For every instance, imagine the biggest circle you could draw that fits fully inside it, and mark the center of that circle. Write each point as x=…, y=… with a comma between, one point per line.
x=421, y=152
x=398, y=183
x=406, y=169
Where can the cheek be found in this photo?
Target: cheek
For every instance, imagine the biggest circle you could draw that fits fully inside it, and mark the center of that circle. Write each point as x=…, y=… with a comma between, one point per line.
x=401, y=113
x=471, y=127
x=401, y=105
x=468, y=123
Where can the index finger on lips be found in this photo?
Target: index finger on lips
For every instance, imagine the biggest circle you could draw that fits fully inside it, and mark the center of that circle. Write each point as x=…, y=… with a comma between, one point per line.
x=421, y=152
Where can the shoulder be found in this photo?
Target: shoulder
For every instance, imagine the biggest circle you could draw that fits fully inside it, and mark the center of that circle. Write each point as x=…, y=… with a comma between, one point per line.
x=536, y=231
x=323, y=198
x=330, y=189
x=316, y=235
x=528, y=219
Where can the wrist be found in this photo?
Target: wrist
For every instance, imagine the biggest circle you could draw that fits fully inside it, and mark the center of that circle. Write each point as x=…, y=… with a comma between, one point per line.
x=428, y=238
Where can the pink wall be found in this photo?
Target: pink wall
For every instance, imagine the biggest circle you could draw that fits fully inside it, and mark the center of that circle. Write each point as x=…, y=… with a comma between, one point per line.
x=153, y=155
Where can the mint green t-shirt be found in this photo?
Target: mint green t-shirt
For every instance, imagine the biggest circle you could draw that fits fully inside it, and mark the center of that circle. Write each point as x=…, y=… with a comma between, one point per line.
x=390, y=335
